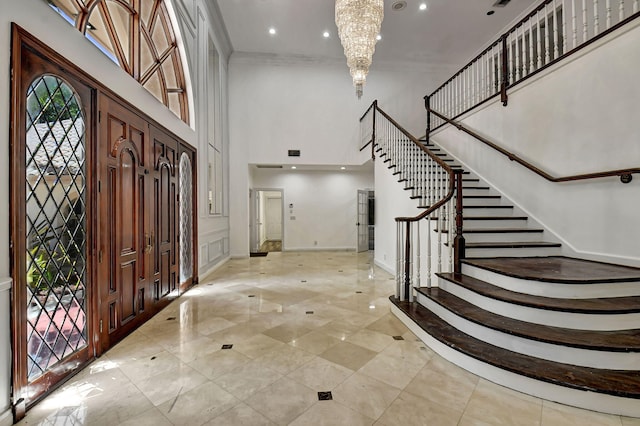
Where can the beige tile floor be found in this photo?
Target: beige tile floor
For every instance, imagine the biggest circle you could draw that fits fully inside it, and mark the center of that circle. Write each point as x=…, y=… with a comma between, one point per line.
x=299, y=323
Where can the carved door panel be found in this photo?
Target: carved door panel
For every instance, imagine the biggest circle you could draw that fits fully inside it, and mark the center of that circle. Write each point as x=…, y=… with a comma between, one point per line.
x=165, y=208
x=125, y=248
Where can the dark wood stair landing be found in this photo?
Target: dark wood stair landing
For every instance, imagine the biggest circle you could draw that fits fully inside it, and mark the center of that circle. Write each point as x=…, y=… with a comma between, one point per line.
x=621, y=383
x=558, y=269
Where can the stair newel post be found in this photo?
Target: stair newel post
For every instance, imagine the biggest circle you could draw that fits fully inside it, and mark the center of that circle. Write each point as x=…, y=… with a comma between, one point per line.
x=398, y=259
x=504, y=81
x=407, y=262
x=427, y=105
x=373, y=133
x=417, y=280
x=459, y=242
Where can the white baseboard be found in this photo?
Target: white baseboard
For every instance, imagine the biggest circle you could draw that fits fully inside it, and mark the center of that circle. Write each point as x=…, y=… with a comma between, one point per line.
x=6, y=418
x=202, y=276
x=384, y=267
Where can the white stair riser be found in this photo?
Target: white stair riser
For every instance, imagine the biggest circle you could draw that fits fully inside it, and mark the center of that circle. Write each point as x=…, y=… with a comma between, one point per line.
x=488, y=211
x=466, y=202
x=589, y=400
x=512, y=252
x=557, y=290
x=543, y=350
x=571, y=320
x=499, y=237
x=492, y=224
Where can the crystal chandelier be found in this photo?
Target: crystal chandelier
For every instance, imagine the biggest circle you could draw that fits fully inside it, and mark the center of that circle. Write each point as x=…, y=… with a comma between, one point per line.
x=358, y=24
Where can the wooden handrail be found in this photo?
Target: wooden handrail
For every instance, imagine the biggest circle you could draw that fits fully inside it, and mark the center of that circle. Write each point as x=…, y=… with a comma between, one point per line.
x=513, y=157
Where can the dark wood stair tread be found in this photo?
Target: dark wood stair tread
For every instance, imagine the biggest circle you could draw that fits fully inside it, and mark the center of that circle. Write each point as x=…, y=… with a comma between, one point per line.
x=559, y=269
x=498, y=231
x=487, y=207
x=614, y=341
x=599, y=306
x=512, y=244
x=495, y=218
x=622, y=383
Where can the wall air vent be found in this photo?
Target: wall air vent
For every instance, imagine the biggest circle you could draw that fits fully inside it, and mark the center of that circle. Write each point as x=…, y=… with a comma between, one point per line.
x=269, y=166
x=294, y=153
x=501, y=3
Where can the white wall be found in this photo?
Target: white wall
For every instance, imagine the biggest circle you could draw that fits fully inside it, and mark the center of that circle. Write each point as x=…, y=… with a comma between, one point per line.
x=324, y=206
x=279, y=103
x=580, y=118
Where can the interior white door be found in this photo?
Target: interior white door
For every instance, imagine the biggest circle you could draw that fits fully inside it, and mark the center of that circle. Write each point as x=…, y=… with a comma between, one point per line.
x=363, y=220
x=273, y=213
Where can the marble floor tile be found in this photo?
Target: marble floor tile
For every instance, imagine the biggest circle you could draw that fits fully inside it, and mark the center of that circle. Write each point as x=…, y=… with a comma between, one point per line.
x=167, y=384
x=173, y=370
x=450, y=387
x=219, y=363
x=348, y=355
x=496, y=405
x=331, y=413
x=554, y=414
x=287, y=332
x=199, y=405
x=153, y=417
x=366, y=395
x=320, y=374
x=283, y=400
x=370, y=339
x=247, y=379
x=240, y=415
x=410, y=410
x=315, y=342
x=285, y=359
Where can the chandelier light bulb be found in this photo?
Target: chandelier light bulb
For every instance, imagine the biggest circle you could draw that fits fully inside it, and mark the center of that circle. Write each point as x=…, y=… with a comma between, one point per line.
x=358, y=23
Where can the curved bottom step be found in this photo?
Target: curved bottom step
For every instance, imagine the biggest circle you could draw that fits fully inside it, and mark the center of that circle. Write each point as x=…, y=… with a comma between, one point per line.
x=563, y=383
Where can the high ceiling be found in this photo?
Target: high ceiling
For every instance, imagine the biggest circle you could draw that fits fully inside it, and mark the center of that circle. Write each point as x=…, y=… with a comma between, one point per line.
x=448, y=33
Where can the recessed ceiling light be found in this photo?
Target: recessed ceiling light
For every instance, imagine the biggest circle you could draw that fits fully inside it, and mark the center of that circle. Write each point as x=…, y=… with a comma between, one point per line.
x=272, y=31
x=293, y=167
x=326, y=34
x=423, y=6
x=491, y=12
x=343, y=168
x=378, y=37
x=399, y=5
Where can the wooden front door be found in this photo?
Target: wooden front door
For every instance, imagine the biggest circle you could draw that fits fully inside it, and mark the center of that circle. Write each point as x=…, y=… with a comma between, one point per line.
x=164, y=216
x=125, y=249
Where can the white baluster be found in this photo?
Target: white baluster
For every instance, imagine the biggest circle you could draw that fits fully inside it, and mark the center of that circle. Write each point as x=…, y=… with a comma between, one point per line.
x=516, y=46
x=452, y=220
x=621, y=11
x=635, y=6
x=539, y=64
x=564, y=29
x=547, y=36
x=596, y=18
x=608, y=7
x=584, y=21
x=574, y=28
x=556, y=24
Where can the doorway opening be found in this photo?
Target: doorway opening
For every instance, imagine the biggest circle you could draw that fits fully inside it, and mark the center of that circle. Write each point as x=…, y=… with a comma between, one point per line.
x=267, y=221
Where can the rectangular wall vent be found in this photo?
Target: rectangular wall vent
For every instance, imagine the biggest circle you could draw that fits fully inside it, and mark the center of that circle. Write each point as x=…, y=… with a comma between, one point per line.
x=294, y=153
x=269, y=166
x=501, y=3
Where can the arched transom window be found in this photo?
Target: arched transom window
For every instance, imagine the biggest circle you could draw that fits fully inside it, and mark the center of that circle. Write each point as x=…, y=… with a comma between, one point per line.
x=140, y=37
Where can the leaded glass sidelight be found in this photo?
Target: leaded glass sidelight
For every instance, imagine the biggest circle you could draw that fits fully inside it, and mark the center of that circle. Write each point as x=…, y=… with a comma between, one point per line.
x=55, y=224
x=186, y=226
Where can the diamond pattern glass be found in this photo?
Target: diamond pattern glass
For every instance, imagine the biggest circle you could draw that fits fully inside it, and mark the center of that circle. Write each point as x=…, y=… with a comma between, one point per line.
x=56, y=224
x=186, y=228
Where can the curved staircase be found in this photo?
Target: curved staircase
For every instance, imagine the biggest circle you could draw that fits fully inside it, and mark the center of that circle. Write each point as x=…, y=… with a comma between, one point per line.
x=521, y=315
